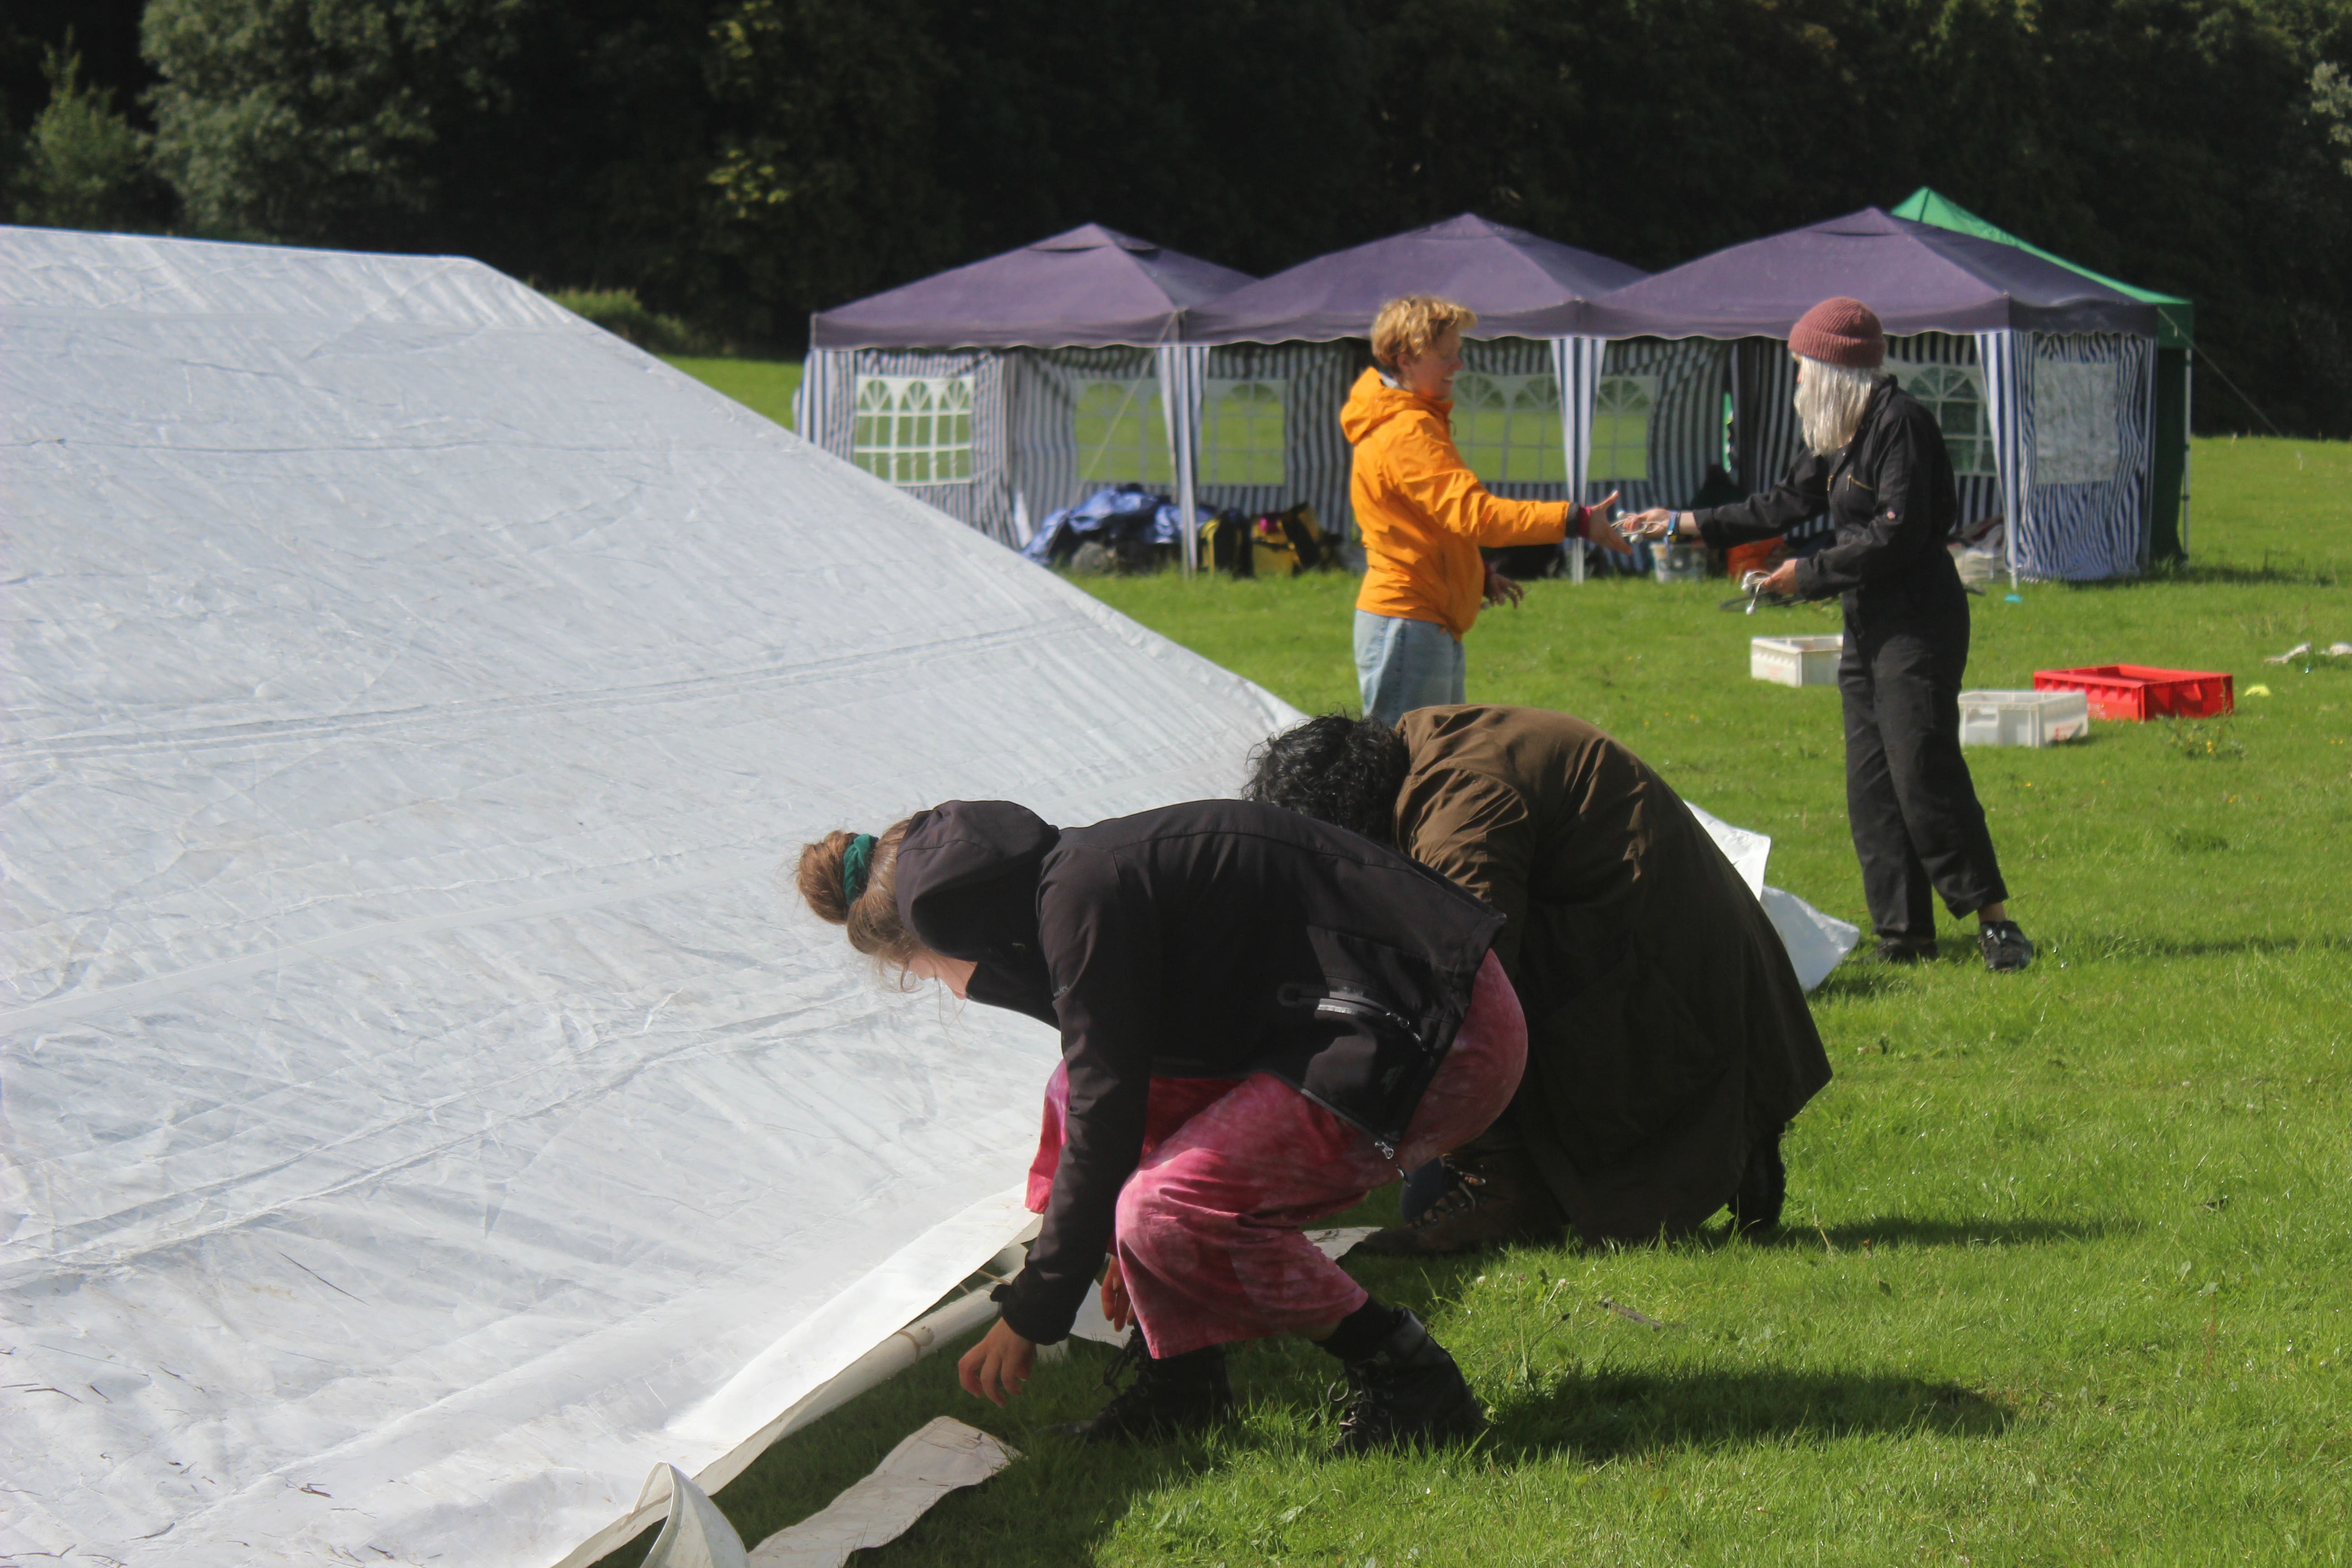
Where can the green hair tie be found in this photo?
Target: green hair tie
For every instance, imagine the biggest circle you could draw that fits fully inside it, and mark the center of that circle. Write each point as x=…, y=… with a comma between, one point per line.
x=857, y=866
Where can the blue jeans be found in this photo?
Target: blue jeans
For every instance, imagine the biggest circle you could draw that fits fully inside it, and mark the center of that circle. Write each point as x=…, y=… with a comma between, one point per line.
x=1403, y=665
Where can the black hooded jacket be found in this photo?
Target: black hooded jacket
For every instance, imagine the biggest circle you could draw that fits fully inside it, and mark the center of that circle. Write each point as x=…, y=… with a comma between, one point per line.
x=1891, y=494
x=1211, y=939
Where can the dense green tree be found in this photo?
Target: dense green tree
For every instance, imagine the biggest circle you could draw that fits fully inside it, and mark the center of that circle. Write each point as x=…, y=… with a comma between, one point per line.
x=319, y=121
x=82, y=164
x=744, y=162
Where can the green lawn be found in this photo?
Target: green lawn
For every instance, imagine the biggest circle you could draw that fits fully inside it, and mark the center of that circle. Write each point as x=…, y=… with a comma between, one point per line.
x=2069, y=1257
x=763, y=385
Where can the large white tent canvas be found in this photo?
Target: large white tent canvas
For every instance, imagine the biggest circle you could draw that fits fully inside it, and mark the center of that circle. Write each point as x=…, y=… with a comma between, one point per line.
x=420, y=1112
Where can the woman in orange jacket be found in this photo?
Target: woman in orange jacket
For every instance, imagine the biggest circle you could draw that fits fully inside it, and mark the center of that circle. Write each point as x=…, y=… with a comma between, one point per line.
x=1422, y=514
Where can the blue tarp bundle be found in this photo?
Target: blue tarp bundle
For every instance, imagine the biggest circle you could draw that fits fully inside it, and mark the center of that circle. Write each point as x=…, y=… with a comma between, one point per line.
x=1121, y=514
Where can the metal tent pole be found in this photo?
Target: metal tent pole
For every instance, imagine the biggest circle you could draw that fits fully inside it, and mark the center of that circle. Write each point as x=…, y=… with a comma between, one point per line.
x=2187, y=428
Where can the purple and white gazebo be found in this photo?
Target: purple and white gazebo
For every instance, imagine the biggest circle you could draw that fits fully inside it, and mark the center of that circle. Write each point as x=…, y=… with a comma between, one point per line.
x=2043, y=377
x=992, y=390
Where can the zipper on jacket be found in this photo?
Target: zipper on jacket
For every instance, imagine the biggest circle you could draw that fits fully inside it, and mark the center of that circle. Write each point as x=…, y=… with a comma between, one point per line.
x=1340, y=1004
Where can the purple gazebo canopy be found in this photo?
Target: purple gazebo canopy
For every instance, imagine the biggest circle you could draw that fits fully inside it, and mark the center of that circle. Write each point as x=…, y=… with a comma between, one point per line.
x=1521, y=284
x=1089, y=288
x=1917, y=277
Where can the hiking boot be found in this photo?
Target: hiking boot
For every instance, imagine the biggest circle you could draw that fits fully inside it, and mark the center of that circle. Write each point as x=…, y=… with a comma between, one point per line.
x=1182, y=1394
x=1408, y=1391
x=1763, y=1188
x=1492, y=1198
x=1906, y=949
x=2005, y=947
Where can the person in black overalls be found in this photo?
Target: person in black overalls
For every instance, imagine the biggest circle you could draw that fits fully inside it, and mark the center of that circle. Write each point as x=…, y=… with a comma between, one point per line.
x=1876, y=462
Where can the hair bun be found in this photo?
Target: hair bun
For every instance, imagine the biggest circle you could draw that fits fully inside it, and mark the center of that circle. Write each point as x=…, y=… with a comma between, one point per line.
x=819, y=878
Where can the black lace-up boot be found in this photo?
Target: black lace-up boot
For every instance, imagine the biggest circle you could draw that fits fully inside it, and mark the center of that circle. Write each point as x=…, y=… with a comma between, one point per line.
x=2004, y=946
x=1493, y=1197
x=1406, y=1391
x=1763, y=1188
x=1182, y=1394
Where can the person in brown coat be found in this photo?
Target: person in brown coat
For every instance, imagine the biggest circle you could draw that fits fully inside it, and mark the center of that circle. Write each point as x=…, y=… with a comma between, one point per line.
x=1669, y=1042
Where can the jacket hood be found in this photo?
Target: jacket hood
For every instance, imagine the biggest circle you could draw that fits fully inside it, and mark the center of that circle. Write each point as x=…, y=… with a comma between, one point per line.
x=967, y=879
x=1372, y=403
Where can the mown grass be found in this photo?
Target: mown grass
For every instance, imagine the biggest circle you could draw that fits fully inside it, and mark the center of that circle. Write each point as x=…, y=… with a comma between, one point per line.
x=763, y=385
x=2068, y=1260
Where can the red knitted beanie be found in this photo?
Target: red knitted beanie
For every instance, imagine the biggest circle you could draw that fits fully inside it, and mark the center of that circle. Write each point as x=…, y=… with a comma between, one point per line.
x=1840, y=331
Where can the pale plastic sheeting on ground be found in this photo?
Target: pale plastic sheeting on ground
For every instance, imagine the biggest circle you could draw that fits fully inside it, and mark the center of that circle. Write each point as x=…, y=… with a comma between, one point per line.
x=1817, y=942
x=423, y=1114
x=941, y=1456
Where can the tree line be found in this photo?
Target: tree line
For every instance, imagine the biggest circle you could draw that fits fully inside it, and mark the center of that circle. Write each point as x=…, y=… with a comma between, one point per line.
x=738, y=164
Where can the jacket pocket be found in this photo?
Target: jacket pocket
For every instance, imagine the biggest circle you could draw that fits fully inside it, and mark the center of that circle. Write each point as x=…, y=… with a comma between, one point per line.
x=1619, y=1063
x=1363, y=1036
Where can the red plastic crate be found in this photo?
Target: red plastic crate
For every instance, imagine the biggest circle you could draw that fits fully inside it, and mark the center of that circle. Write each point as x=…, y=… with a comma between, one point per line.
x=2137, y=691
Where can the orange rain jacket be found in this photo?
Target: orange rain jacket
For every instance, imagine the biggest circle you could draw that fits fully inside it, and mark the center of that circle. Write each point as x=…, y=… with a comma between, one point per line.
x=1423, y=513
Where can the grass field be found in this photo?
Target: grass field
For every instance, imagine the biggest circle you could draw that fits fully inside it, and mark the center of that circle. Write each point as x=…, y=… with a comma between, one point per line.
x=2069, y=1255
x=763, y=385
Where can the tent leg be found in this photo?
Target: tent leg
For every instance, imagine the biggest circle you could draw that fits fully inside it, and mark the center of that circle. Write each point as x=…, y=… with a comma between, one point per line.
x=2188, y=429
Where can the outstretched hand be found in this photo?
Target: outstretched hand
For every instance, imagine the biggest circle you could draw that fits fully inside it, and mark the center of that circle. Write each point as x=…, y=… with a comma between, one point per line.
x=1599, y=526
x=1655, y=523
x=997, y=1368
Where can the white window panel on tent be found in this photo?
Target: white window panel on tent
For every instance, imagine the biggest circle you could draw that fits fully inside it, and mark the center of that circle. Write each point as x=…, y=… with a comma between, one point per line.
x=1507, y=428
x=2076, y=436
x=1242, y=430
x=1120, y=434
x=915, y=429
x=1622, y=410
x=1954, y=393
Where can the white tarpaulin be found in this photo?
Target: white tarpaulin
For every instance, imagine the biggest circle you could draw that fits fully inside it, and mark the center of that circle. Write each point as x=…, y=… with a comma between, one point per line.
x=420, y=1112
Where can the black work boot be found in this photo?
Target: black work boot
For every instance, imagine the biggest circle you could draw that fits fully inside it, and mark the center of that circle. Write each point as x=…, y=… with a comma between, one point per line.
x=1187, y=1393
x=1763, y=1188
x=1493, y=1198
x=1408, y=1391
x=2004, y=946
x=1906, y=949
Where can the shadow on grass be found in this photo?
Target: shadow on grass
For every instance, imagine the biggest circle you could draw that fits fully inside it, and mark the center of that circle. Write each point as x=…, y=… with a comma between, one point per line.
x=1624, y=1413
x=2118, y=946
x=1896, y=1230
x=2289, y=571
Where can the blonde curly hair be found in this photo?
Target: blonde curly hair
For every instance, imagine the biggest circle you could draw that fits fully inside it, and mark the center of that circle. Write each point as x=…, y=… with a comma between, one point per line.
x=1412, y=325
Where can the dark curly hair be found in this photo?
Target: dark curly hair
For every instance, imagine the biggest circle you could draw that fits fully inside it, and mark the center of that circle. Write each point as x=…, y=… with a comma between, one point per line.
x=1343, y=771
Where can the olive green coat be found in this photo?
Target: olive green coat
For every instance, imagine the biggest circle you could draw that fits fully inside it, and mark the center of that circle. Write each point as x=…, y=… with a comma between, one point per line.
x=1666, y=1030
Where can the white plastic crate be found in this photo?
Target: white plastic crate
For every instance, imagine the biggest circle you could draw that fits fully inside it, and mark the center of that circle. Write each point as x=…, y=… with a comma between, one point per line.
x=1678, y=562
x=2023, y=717
x=1795, y=661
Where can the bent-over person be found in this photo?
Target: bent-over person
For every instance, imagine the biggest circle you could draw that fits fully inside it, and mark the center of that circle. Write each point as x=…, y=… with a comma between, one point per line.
x=1261, y=1018
x=1669, y=1042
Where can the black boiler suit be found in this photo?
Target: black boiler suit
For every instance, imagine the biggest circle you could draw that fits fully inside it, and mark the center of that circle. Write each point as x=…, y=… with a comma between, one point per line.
x=1918, y=827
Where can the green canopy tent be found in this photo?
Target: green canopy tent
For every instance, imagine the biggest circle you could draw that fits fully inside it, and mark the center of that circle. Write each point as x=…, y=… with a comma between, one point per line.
x=2175, y=345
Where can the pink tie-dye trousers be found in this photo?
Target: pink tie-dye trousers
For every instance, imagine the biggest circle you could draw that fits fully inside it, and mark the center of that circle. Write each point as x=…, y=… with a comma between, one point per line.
x=1233, y=1170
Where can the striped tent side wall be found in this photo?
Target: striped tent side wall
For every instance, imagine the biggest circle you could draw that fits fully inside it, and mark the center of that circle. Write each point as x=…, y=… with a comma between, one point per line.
x=1979, y=494
x=2079, y=531
x=827, y=411
x=1043, y=413
x=1315, y=457
x=1767, y=437
x=1516, y=356
x=1686, y=425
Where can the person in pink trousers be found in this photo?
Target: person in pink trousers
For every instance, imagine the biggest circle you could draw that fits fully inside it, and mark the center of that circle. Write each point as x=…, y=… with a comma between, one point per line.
x=1262, y=1018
